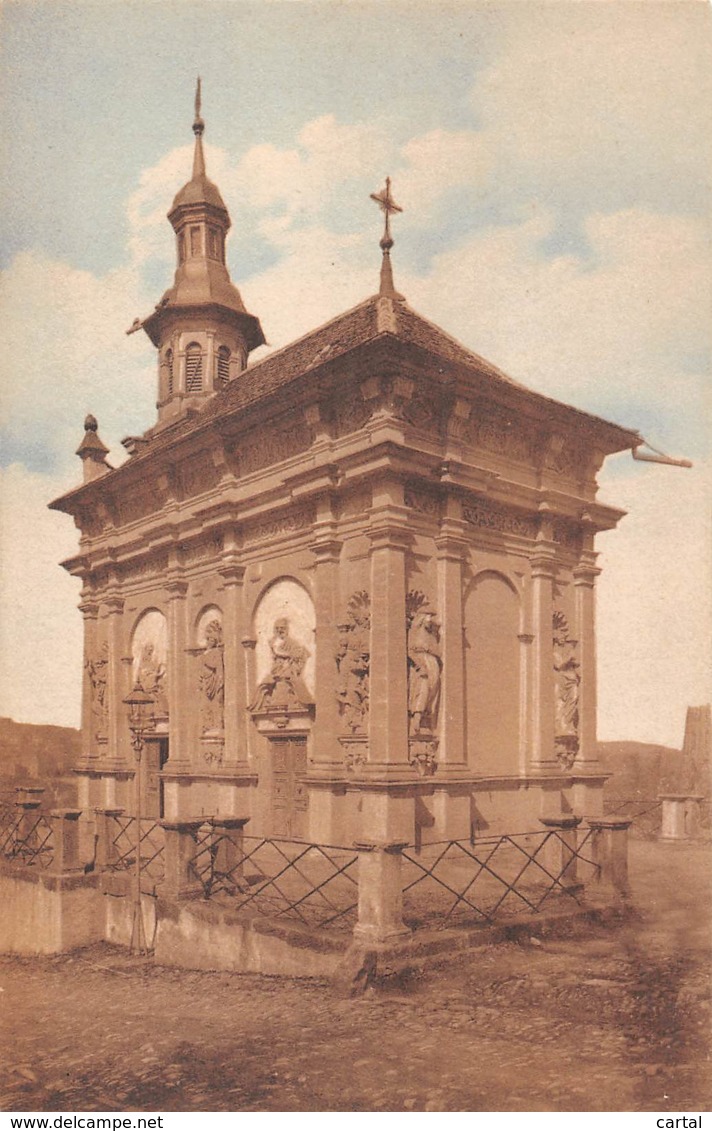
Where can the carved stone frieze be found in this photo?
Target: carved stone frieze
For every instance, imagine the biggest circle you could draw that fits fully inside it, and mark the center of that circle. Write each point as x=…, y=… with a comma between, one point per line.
x=355, y=503
x=424, y=662
x=144, y=567
x=353, y=659
x=567, y=680
x=499, y=433
x=203, y=550
x=139, y=502
x=298, y=519
x=564, y=457
x=499, y=519
x=269, y=446
x=567, y=534
x=197, y=474
x=422, y=501
x=351, y=412
x=355, y=752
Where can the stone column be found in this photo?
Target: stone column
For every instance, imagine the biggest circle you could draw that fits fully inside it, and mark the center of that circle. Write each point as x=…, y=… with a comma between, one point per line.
x=180, y=699
x=584, y=585
x=380, y=894
x=388, y=714
x=233, y=574
x=543, y=572
x=106, y=832
x=65, y=836
x=90, y=612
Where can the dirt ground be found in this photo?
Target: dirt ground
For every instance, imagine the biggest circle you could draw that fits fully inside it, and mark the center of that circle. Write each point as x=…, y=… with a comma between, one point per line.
x=616, y=1019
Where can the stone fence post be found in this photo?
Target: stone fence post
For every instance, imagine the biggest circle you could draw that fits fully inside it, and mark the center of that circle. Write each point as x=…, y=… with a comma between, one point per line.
x=610, y=853
x=65, y=841
x=380, y=893
x=106, y=830
x=180, y=881
x=680, y=816
x=559, y=850
x=230, y=851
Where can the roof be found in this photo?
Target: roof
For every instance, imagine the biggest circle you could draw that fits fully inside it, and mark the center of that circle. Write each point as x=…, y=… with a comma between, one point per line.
x=354, y=329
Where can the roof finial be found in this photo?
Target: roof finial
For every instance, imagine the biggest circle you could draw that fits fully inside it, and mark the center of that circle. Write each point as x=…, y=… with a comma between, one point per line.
x=389, y=207
x=198, y=128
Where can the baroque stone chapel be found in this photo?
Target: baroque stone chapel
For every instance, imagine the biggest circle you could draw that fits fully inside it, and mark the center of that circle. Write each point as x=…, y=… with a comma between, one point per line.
x=355, y=577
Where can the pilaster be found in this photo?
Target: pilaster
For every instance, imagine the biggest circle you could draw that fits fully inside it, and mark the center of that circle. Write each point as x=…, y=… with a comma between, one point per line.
x=388, y=714
x=180, y=704
x=451, y=546
x=90, y=612
x=543, y=570
x=325, y=751
x=233, y=576
x=117, y=684
x=585, y=576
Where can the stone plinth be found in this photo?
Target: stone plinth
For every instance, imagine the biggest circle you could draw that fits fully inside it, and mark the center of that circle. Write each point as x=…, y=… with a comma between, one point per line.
x=680, y=815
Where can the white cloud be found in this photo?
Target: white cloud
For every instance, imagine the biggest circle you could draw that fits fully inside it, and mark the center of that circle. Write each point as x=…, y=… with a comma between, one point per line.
x=655, y=604
x=40, y=627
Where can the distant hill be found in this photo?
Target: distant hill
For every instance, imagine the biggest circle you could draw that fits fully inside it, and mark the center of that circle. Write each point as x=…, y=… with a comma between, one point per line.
x=641, y=769
x=30, y=752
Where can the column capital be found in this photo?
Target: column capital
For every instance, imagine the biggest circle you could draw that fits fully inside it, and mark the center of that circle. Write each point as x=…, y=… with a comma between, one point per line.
x=543, y=564
x=232, y=573
x=585, y=574
x=89, y=609
x=113, y=604
x=451, y=543
x=389, y=535
x=326, y=549
x=176, y=588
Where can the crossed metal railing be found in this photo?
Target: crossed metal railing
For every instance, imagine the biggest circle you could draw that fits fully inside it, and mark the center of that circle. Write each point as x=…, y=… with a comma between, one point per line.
x=644, y=812
x=26, y=836
x=126, y=842
x=453, y=881
x=314, y=884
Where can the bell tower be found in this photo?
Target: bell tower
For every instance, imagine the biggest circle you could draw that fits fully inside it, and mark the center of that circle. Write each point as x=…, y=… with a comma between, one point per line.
x=200, y=327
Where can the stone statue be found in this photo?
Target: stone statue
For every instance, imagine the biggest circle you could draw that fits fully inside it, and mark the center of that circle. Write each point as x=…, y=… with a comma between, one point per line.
x=567, y=676
x=98, y=672
x=212, y=679
x=424, y=667
x=353, y=659
x=284, y=687
x=152, y=677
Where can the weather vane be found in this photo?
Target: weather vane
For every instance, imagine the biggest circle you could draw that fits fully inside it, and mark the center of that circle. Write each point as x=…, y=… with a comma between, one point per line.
x=388, y=206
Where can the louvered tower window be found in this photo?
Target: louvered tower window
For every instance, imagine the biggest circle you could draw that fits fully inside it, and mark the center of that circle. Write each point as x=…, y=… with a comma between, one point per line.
x=193, y=368
x=223, y=366
x=169, y=373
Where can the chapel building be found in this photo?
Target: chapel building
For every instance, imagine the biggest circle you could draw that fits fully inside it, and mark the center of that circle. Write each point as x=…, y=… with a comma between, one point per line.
x=356, y=577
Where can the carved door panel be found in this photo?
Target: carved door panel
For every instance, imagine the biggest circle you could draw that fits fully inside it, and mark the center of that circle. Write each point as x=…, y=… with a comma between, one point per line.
x=290, y=797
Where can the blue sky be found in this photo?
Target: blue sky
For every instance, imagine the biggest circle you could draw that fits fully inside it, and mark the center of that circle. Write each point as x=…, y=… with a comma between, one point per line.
x=552, y=163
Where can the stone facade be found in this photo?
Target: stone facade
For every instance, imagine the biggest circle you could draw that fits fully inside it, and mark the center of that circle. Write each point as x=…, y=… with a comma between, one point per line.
x=356, y=577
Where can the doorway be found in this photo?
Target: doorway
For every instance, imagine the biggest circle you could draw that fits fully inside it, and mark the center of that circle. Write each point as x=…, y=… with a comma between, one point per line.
x=155, y=756
x=290, y=798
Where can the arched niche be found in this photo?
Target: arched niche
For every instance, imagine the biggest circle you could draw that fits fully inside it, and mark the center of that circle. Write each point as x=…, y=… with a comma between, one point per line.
x=285, y=600
x=209, y=617
x=149, y=657
x=492, y=673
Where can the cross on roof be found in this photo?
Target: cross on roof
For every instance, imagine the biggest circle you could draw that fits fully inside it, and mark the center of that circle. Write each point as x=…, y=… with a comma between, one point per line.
x=388, y=206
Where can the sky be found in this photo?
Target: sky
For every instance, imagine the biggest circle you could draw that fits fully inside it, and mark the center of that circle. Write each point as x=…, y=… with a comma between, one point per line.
x=552, y=163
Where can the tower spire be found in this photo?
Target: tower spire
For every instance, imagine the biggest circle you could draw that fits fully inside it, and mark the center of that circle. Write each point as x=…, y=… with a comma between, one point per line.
x=388, y=206
x=198, y=130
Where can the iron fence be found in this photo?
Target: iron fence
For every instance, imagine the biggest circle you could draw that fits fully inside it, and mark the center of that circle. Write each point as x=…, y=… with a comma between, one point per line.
x=644, y=812
x=313, y=884
x=26, y=835
x=456, y=882
x=126, y=841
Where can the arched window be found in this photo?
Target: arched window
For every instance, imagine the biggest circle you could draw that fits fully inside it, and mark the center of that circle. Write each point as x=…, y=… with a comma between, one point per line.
x=193, y=368
x=169, y=373
x=223, y=366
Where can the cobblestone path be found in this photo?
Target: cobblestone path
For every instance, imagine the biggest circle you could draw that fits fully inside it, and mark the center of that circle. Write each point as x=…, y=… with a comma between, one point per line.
x=614, y=1020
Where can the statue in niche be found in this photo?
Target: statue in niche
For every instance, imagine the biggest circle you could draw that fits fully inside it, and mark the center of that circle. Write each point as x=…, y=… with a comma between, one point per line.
x=98, y=672
x=212, y=679
x=567, y=675
x=424, y=663
x=353, y=660
x=152, y=677
x=284, y=688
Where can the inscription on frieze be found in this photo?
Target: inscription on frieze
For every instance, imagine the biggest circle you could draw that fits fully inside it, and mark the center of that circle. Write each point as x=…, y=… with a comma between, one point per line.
x=271, y=446
x=198, y=474
x=286, y=523
x=203, y=550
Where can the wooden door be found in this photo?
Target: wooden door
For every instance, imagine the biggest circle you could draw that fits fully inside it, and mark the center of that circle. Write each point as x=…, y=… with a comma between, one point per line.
x=290, y=797
x=155, y=756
